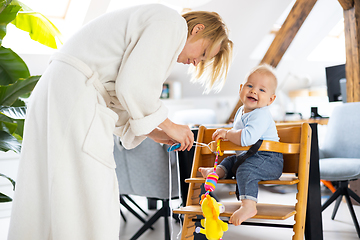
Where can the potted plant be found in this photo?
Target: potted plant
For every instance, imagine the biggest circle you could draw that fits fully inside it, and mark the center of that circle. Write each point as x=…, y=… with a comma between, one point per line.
x=16, y=83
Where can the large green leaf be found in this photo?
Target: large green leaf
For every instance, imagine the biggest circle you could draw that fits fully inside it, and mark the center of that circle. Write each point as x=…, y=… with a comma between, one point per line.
x=10, y=179
x=12, y=120
x=4, y=118
x=7, y=14
x=7, y=124
x=19, y=133
x=4, y=198
x=9, y=142
x=3, y=4
x=19, y=102
x=14, y=112
x=39, y=28
x=9, y=94
x=12, y=67
x=9, y=127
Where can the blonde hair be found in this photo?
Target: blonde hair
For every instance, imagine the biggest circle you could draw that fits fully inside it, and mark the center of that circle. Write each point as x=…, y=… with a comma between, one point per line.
x=212, y=72
x=265, y=69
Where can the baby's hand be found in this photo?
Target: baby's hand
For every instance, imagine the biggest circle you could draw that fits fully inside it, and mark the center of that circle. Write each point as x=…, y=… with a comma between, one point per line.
x=219, y=134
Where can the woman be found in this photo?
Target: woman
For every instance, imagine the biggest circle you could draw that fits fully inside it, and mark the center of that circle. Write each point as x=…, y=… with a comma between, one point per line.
x=106, y=79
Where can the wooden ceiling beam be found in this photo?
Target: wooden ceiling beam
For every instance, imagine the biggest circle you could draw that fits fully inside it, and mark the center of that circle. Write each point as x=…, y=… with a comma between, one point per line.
x=288, y=31
x=352, y=45
x=346, y=4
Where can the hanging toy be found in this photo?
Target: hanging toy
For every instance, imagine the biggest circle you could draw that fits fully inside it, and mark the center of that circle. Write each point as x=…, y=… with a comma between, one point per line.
x=214, y=227
x=212, y=178
x=211, y=181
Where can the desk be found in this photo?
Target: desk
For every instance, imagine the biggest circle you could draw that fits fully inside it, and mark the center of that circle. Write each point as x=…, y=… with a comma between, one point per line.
x=321, y=121
x=313, y=225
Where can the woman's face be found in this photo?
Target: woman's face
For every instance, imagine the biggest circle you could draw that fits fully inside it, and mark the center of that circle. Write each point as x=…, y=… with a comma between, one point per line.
x=198, y=50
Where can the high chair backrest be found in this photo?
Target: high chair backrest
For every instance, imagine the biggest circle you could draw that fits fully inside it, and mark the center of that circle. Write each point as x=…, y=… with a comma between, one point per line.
x=289, y=145
x=295, y=143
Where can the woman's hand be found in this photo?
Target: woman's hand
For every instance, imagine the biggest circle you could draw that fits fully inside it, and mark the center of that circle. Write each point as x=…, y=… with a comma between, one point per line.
x=179, y=133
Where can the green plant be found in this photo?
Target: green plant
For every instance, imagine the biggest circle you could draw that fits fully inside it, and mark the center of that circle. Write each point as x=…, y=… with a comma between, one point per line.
x=16, y=83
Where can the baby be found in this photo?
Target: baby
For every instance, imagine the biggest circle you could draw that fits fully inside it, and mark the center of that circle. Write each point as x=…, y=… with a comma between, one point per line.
x=253, y=121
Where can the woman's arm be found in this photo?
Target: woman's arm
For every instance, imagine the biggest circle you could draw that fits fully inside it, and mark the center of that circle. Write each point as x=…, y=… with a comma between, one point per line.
x=160, y=136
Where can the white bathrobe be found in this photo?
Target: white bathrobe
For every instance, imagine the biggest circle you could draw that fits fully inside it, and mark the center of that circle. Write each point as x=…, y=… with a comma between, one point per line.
x=106, y=79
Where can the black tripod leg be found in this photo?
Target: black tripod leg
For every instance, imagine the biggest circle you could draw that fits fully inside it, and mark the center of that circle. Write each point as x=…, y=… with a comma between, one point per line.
x=148, y=224
x=354, y=195
x=133, y=202
x=331, y=199
x=122, y=201
x=352, y=212
x=123, y=216
x=336, y=207
x=166, y=218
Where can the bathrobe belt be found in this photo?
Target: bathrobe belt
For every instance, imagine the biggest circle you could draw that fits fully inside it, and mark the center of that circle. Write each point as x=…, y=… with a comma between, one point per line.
x=93, y=76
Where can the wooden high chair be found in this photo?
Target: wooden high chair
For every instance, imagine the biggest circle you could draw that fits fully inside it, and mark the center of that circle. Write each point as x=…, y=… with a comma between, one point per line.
x=295, y=141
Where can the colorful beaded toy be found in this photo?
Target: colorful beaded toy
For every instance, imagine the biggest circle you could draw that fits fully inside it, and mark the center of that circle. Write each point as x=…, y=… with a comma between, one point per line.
x=212, y=178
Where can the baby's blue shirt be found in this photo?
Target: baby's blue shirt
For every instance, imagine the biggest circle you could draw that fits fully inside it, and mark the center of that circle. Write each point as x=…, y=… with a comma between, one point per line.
x=255, y=125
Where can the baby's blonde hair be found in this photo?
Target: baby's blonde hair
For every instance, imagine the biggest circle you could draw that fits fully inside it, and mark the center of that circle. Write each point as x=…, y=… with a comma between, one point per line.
x=265, y=69
x=212, y=72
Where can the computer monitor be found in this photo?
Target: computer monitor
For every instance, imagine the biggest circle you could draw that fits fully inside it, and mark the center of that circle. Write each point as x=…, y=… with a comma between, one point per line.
x=336, y=83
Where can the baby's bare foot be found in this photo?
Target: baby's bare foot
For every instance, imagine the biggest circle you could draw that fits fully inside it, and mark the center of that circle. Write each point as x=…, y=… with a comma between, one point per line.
x=246, y=211
x=205, y=171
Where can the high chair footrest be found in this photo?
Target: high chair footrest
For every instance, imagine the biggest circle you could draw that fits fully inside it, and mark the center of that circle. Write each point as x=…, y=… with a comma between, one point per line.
x=280, y=181
x=265, y=211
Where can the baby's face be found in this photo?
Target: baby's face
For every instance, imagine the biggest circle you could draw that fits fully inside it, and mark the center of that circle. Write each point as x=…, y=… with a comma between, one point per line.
x=257, y=92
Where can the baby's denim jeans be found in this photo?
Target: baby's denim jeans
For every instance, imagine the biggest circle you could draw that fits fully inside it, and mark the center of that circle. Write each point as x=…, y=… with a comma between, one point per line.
x=259, y=167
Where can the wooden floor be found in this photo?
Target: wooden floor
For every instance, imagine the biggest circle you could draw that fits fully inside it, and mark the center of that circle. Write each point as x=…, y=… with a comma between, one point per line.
x=340, y=228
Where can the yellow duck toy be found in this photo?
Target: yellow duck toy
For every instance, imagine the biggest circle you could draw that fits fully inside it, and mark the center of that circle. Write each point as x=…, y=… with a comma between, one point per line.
x=214, y=227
